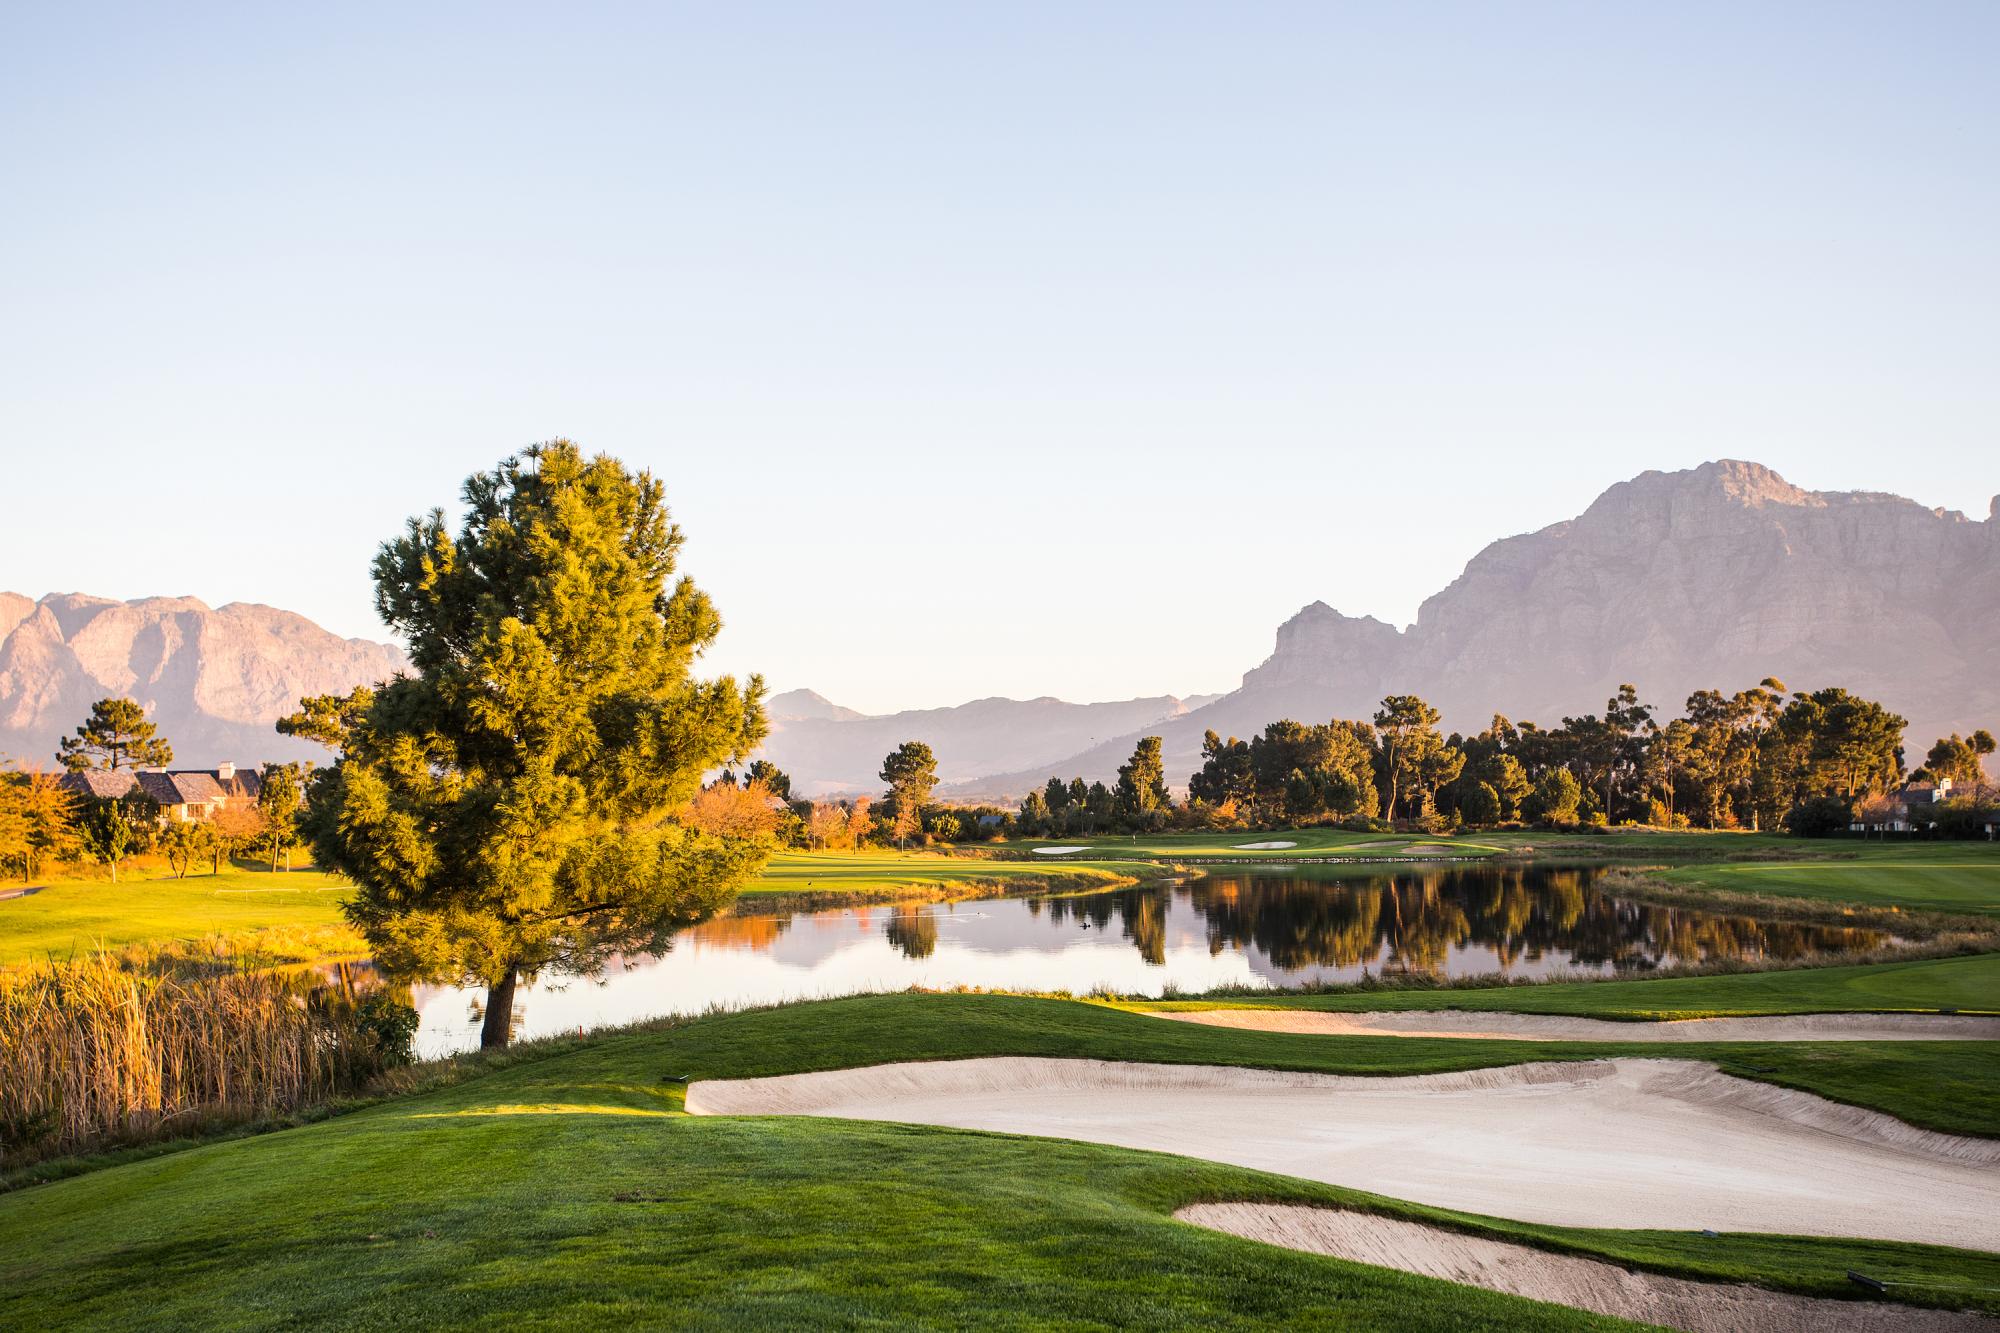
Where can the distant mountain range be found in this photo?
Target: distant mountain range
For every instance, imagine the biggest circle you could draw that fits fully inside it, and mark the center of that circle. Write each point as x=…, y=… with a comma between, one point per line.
x=1675, y=581
x=829, y=749
x=214, y=678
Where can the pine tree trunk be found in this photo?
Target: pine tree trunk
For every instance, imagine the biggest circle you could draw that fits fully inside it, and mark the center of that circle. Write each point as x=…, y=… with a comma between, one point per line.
x=498, y=1027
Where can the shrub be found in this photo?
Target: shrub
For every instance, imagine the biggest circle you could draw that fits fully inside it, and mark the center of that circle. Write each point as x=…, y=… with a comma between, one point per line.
x=1963, y=818
x=1554, y=800
x=1820, y=816
x=1481, y=805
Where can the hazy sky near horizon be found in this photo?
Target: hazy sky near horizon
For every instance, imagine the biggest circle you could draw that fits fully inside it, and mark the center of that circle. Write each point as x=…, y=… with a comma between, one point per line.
x=1023, y=349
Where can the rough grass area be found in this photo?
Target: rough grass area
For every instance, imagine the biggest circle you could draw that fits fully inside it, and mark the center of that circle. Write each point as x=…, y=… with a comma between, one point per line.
x=288, y=916
x=566, y=1191
x=1970, y=984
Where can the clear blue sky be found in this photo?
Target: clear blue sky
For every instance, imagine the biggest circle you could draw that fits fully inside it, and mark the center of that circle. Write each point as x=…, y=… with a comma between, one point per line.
x=1012, y=350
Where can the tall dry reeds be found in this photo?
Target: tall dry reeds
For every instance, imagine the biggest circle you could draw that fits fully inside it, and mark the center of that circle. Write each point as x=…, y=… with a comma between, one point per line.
x=95, y=1053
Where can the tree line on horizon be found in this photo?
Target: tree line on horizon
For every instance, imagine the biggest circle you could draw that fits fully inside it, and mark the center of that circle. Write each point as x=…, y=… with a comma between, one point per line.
x=1759, y=759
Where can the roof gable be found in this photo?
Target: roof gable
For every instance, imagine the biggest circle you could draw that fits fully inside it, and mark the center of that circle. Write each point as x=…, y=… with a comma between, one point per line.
x=100, y=784
x=197, y=788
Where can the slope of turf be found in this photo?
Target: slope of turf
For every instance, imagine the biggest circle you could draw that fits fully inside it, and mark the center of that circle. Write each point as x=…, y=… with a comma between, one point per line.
x=564, y=1191
x=151, y=907
x=297, y=914
x=1933, y=877
x=910, y=875
x=1970, y=984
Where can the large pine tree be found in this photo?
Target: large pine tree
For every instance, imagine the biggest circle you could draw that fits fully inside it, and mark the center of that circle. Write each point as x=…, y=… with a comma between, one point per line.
x=509, y=808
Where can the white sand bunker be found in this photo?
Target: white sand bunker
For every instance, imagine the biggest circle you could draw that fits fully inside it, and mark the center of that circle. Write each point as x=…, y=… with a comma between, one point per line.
x=1263, y=846
x=1587, y=1284
x=1058, y=851
x=1610, y=1143
x=1556, y=1027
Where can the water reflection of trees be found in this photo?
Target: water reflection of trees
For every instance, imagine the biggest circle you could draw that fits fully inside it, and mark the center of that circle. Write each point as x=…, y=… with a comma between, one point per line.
x=1413, y=921
x=914, y=931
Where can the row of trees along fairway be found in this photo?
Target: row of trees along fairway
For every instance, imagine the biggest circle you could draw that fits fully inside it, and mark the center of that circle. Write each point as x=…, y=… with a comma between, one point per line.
x=514, y=806
x=1759, y=758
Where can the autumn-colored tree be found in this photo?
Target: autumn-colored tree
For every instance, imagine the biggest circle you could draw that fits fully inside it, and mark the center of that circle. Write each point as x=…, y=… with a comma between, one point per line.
x=116, y=735
x=729, y=811
x=826, y=827
x=13, y=827
x=38, y=820
x=860, y=822
x=510, y=807
x=233, y=828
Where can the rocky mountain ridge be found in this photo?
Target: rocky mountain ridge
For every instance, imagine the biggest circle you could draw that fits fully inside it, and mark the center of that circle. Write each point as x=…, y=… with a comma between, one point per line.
x=213, y=678
x=1716, y=576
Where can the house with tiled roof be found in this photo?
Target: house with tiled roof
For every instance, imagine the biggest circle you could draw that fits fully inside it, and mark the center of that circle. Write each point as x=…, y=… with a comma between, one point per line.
x=183, y=795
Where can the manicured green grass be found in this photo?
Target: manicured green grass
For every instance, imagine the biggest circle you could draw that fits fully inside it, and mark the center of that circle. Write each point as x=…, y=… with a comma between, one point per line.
x=1932, y=877
x=564, y=1191
x=1232, y=846
x=149, y=906
x=870, y=872
x=1970, y=983
x=300, y=911
x=1946, y=877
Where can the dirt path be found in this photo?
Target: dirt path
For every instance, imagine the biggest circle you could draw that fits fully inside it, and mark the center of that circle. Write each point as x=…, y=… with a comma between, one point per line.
x=1620, y=1143
x=1557, y=1027
x=1587, y=1284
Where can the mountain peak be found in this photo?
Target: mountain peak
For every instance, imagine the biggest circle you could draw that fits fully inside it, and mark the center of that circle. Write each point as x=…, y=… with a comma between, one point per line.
x=1751, y=485
x=1319, y=613
x=806, y=706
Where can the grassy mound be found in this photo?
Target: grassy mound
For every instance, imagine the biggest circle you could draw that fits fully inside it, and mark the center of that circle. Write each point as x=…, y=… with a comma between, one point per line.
x=567, y=1190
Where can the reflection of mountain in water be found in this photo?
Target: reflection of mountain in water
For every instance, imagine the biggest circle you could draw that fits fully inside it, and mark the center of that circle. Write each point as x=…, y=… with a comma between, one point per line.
x=1412, y=922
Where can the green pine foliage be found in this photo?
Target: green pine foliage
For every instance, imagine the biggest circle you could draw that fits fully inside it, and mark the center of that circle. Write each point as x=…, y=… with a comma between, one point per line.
x=509, y=809
x=116, y=735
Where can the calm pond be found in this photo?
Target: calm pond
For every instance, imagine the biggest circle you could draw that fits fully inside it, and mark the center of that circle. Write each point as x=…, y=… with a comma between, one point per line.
x=1255, y=929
